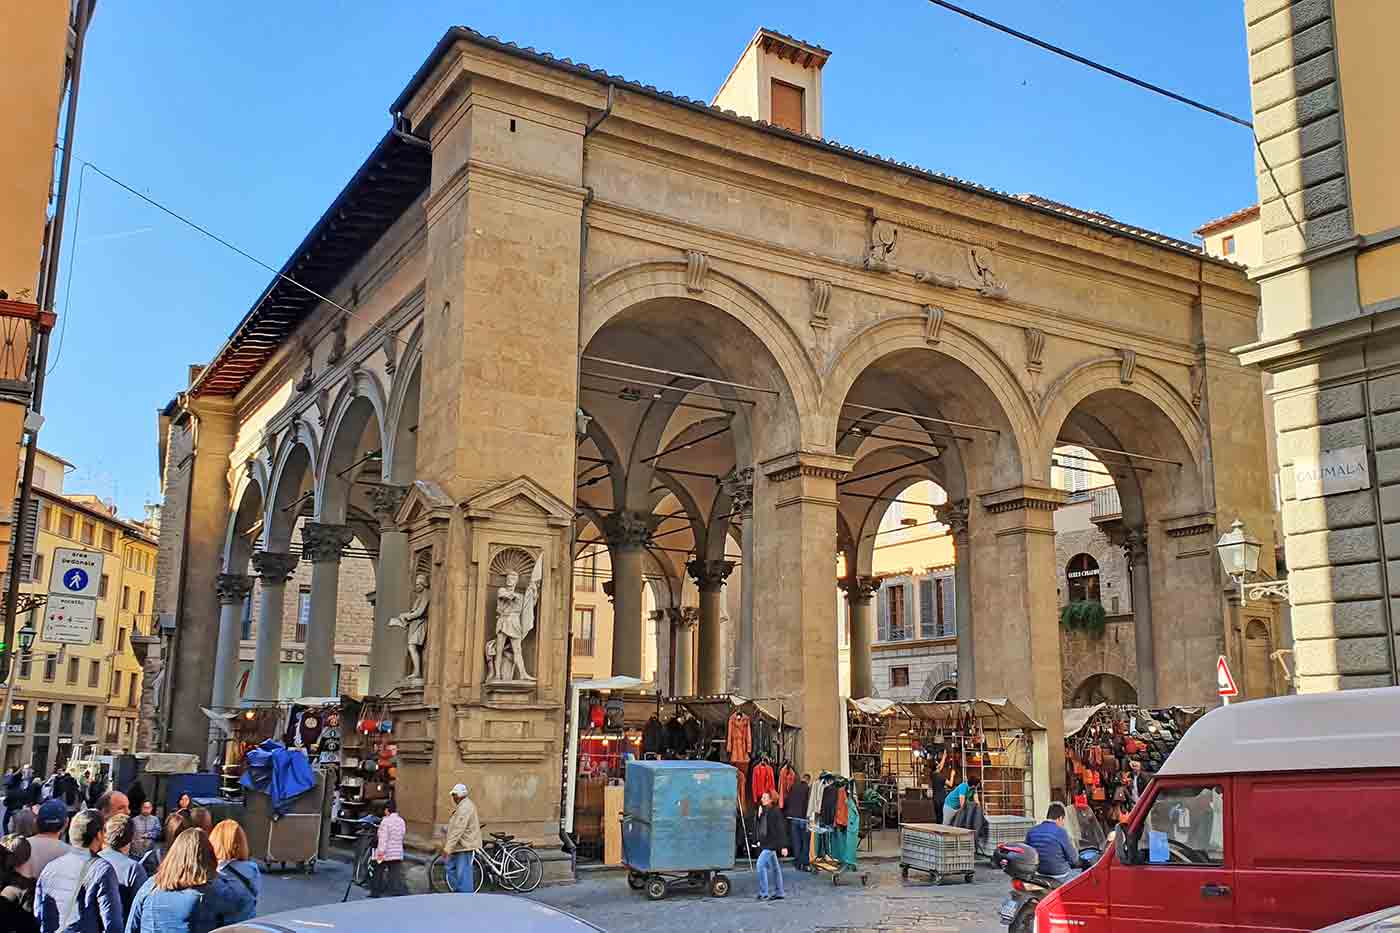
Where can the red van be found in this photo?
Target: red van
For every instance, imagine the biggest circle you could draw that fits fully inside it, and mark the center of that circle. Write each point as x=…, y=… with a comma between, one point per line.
x=1273, y=815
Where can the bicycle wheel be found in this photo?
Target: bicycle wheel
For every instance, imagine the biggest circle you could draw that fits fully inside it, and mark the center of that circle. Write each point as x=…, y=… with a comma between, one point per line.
x=513, y=873
x=437, y=875
x=478, y=875
x=534, y=867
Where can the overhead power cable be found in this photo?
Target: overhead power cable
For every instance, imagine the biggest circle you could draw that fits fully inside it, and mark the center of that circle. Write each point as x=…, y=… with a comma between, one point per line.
x=1138, y=82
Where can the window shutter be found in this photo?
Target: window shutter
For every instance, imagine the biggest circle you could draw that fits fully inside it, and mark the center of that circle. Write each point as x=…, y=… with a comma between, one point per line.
x=842, y=607
x=28, y=536
x=787, y=104
x=910, y=613
x=950, y=607
x=883, y=612
x=928, y=623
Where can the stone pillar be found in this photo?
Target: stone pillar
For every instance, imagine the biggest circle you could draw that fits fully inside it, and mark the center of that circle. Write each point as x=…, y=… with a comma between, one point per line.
x=627, y=533
x=955, y=516
x=273, y=570
x=190, y=672
x=739, y=486
x=393, y=592
x=233, y=589
x=1015, y=578
x=709, y=577
x=322, y=544
x=797, y=658
x=859, y=591
x=1135, y=546
x=683, y=623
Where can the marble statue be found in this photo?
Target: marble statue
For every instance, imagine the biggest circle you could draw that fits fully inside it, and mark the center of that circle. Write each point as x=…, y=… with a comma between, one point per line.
x=515, y=619
x=416, y=621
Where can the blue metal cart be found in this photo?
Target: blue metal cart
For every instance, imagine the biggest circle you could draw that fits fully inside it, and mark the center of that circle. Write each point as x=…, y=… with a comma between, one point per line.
x=678, y=826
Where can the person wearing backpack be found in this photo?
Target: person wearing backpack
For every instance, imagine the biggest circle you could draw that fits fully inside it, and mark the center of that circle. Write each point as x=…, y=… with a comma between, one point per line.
x=236, y=866
x=78, y=892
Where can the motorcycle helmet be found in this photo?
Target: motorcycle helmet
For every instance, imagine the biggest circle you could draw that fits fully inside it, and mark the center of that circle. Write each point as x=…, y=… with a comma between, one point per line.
x=1016, y=859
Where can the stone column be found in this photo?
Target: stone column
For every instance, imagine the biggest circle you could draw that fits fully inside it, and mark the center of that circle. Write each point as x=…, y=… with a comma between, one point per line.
x=322, y=544
x=955, y=517
x=1139, y=578
x=797, y=658
x=627, y=533
x=683, y=622
x=859, y=591
x=739, y=485
x=233, y=590
x=393, y=592
x=1015, y=576
x=273, y=570
x=709, y=577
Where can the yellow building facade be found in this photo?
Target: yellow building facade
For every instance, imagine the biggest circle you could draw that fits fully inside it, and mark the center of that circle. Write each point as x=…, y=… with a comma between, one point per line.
x=1324, y=91
x=75, y=700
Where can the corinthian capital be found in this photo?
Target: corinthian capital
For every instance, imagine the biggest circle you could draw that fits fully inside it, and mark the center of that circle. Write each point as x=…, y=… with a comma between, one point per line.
x=324, y=543
x=233, y=588
x=274, y=567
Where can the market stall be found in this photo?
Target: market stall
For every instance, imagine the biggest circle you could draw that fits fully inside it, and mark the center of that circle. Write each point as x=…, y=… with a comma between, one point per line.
x=1102, y=742
x=909, y=752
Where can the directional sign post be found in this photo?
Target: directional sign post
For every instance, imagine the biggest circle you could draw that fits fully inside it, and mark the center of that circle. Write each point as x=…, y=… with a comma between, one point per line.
x=75, y=582
x=1224, y=681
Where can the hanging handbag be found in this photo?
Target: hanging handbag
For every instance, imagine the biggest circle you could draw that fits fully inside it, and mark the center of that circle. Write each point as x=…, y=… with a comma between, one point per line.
x=1098, y=795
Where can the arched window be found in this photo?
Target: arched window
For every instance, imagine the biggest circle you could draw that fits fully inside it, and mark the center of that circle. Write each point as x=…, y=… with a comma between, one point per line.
x=1083, y=578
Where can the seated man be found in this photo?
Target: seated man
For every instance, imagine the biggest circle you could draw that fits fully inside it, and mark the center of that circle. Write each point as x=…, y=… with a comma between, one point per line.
x=1051, y=842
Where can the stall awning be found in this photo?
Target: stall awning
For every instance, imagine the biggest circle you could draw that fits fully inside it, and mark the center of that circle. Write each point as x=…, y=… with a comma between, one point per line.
x=1077, y=719
x=872, y=706
x=998, y=709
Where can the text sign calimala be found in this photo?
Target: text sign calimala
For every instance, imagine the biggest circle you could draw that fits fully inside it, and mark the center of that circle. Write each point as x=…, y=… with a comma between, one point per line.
x=1343, y=469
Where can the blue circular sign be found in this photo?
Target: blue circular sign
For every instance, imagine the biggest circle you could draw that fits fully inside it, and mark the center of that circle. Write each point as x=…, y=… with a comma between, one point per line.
x=76, y=579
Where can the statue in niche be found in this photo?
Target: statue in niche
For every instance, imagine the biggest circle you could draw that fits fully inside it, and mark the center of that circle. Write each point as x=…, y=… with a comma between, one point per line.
x=416, y=621
x=515, y=620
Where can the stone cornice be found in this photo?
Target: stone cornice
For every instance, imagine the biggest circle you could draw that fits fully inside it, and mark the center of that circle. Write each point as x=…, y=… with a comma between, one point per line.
x=807, y=463
x=1317, y=343
x=1019, y=498
x=1186, y=526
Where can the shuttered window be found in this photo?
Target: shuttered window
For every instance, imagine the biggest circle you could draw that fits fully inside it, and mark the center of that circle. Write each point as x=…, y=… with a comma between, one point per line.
x=948, y=624
x=787, y=106
x=928, y=617
x=882, y=614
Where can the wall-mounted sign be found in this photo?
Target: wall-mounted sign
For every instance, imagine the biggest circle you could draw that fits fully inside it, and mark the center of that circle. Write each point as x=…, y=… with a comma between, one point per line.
x=75, y=572
x=1076, y=574
x=69, y=620
x=1342, y=469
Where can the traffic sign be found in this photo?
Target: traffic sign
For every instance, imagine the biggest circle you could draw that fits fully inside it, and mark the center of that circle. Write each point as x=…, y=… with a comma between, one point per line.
x=1224, y=681
x=69, y=620
x=75, y=572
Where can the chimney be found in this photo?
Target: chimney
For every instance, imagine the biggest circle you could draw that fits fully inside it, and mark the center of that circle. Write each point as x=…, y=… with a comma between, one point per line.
x=778, y=79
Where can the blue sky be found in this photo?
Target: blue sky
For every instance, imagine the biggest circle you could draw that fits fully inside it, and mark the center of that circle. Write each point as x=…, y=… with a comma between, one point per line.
x=250, y=117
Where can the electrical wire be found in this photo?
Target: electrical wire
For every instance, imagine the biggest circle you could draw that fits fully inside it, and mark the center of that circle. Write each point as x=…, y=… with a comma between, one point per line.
x=1138, y=82
x=72, y=261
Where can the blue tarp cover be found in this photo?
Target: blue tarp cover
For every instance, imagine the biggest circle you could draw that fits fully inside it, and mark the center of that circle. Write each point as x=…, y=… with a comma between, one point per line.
x=279, y=772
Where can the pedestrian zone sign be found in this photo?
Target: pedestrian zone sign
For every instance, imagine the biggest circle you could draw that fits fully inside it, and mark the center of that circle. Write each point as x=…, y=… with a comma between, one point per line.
x=69, y=620
x=75, y=573
x=1223, y=680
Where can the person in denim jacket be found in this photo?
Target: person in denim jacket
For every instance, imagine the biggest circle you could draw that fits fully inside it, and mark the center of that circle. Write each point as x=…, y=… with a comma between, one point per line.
x=186, y=895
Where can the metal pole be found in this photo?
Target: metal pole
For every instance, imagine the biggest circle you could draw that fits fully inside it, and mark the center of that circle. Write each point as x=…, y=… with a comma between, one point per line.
x=909, y=414
x=673, y=372
x=1111, y=450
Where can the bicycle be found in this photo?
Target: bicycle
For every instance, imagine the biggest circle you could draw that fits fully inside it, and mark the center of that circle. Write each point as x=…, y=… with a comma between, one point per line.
x=507, y=864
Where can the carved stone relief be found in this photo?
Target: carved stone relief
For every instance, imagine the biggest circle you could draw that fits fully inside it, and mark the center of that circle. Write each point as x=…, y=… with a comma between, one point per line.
x=879, y=256
x=933, y=323
x=1126, y=366
x=697, y=267
x=515, y=614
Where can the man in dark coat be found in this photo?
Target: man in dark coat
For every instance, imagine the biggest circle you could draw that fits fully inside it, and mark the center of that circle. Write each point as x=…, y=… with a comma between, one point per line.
x=795, y=809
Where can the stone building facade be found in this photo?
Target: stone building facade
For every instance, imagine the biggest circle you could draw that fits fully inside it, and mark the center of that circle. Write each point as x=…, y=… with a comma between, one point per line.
x=776, y=336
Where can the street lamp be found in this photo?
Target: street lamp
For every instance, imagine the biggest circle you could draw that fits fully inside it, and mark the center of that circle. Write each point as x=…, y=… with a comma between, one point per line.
x=1239, y=556
x=26, y=637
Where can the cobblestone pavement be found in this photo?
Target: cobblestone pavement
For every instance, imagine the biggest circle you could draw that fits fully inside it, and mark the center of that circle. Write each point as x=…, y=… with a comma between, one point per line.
x=887, y=905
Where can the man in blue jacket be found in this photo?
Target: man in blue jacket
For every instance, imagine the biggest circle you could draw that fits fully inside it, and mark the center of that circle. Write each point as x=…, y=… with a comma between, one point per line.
x=1052, y=843
x=79, y=892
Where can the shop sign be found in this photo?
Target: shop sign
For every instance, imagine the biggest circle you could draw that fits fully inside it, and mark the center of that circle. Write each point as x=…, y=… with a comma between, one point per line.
x=1343, y=469
x=1076, y=574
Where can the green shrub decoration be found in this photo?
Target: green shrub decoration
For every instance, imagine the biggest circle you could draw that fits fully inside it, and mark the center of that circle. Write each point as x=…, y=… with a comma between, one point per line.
x=1085, y=615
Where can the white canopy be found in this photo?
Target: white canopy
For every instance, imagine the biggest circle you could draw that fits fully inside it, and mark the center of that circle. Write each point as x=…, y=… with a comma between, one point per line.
x=1076, y=719
x=999, y=709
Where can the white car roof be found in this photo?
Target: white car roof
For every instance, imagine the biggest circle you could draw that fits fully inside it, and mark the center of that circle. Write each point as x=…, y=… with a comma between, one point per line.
x=1310, y=732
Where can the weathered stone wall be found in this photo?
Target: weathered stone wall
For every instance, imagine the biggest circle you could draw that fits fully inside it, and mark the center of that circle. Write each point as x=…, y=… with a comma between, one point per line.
x=1114, y=590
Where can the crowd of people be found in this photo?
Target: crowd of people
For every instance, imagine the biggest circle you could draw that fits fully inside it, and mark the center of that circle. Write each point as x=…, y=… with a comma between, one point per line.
x=91, y=866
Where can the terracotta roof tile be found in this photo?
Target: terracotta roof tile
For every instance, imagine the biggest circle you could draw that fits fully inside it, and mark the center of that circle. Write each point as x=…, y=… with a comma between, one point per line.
x=1240, y=216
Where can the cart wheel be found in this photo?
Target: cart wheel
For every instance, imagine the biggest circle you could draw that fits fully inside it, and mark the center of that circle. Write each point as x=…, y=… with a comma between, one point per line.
x=636, y=880
x=656, y=889
x=719, y=886
x=835, y=878
x=937, y=878
x=967, y=878
x=865, y=879
x=904, y=872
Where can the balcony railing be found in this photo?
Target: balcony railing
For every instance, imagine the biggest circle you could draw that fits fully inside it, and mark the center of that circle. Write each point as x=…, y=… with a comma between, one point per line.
x=1106, y=505
x=20, y=323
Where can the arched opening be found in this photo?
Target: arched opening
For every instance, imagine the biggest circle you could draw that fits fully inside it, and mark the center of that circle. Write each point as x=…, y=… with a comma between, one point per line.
x=1104, y=688
x=1082, y=572
x=1258, y=660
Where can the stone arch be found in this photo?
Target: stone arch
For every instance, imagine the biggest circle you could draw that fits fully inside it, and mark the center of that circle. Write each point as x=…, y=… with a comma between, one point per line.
x=359, y=401
x=1103, y=687
x=294, y=465
x=400, y=441
x=875, y=515
x=1005, y=402
x=249, y=496
x=1105, y=373
x=628, y=287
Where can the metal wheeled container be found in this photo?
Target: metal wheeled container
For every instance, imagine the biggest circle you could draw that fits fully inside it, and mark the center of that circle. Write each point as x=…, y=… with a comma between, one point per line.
x=1006, y=829
x=937, y=850
x=296, y=837
x=678, y=826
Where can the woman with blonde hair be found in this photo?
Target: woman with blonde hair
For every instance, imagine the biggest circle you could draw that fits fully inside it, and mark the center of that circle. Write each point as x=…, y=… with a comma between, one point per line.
x=236, y=865
x=186, y=895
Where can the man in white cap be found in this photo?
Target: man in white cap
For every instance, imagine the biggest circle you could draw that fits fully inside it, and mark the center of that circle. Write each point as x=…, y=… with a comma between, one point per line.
x=463, y=840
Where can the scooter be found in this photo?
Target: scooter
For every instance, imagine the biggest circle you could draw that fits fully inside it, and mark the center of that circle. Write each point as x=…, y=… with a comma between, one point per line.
x=1028, y=886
